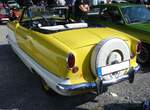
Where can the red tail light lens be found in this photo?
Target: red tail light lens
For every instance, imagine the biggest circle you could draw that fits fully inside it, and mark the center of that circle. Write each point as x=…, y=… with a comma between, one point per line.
x=139, y=47
x=132, y=55
x=70, y=60
x=75, y=69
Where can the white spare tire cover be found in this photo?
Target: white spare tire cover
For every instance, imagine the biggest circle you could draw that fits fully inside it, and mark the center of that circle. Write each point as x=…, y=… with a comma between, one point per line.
x=108, y=52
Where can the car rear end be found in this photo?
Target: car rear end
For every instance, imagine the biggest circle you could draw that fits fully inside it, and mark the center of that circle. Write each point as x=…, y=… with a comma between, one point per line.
x=4, y=15
x=105, y=60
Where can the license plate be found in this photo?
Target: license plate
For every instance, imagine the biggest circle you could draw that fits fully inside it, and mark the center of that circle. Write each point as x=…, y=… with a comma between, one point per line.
x=115, y=67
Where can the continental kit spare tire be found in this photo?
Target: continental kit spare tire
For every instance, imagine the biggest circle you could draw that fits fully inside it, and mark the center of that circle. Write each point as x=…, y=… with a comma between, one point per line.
x=108, y=52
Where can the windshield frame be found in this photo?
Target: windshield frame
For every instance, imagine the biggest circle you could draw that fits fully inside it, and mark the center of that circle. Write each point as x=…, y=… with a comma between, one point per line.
x=42, y=11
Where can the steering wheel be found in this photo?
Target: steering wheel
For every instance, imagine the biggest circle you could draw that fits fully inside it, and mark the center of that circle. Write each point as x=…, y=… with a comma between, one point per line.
x=45, y=20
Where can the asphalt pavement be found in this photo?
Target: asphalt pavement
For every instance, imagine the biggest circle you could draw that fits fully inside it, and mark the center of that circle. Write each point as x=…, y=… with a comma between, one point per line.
x=21, y=89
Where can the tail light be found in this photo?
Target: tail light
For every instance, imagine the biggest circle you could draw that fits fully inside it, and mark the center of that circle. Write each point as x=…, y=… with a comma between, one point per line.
x=132, y=55
x=139, y=47
x=75, y=69
x=70, y=60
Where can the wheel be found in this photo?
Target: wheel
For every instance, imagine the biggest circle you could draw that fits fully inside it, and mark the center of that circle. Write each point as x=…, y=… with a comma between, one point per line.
x=47, y=89
x=48, y=22
x=109, y=52
x=144, y=57
x=45, y=86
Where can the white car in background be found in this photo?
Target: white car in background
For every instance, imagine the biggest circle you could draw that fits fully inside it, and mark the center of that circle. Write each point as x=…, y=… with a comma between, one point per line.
x=119, y=1
x=12, y=3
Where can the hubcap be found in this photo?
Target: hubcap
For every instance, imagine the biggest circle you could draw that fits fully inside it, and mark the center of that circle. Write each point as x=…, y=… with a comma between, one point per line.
x=114, y=58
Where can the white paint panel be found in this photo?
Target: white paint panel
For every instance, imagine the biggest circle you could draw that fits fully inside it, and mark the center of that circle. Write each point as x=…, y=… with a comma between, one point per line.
x=11, y=35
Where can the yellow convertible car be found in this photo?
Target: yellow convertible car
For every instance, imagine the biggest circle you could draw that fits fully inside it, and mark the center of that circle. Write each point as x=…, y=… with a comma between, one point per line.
x=72, y=57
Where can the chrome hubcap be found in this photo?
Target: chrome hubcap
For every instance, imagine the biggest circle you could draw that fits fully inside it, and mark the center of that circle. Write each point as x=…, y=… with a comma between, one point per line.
x=114, y=58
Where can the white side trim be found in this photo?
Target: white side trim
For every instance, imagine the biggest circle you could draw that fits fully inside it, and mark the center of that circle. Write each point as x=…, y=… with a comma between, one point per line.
x=50, y=78
x=11, y=34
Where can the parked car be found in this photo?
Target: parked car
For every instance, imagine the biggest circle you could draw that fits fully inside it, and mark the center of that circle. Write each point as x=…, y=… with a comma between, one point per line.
x=129, y=18
x=72, y=57
x=119, y=1
x=12, y=3
x=4, y=13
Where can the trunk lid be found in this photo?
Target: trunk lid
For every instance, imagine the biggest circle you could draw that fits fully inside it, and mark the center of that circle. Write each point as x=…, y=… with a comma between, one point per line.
x=89, y=36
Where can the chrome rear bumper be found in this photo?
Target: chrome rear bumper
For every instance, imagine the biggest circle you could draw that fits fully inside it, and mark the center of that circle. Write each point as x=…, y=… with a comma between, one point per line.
x=97, y=85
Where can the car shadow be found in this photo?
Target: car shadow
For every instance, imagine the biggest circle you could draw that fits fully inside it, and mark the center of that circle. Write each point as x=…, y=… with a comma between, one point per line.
x=145, y=70
x=3, y=24
x=21, y=89
x=123, y=106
